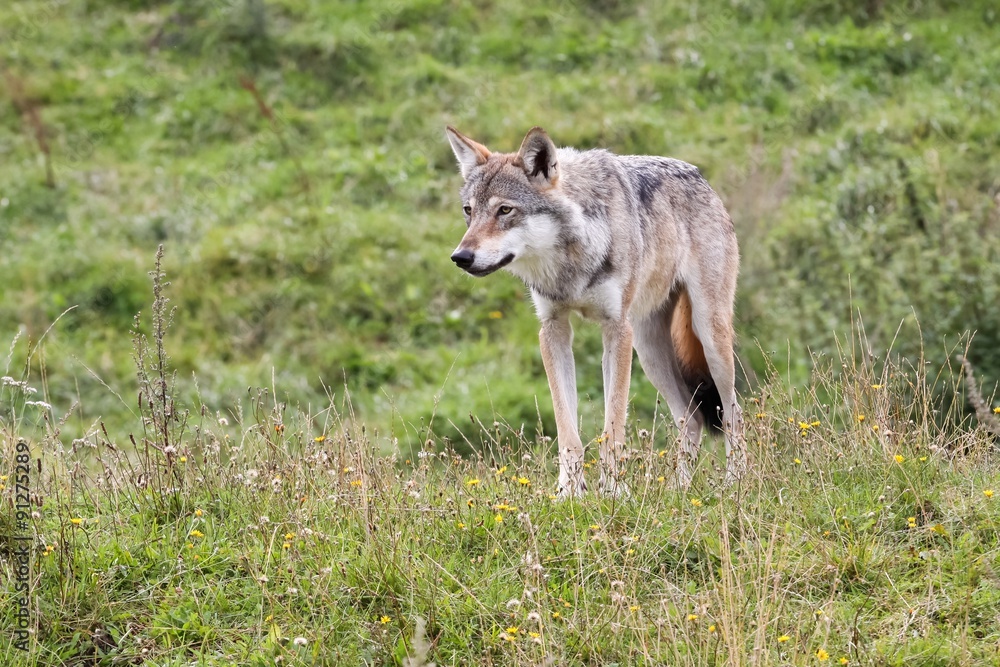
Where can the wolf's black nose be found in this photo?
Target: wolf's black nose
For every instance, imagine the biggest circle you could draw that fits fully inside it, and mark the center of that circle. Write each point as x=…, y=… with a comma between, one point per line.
x=464, y=258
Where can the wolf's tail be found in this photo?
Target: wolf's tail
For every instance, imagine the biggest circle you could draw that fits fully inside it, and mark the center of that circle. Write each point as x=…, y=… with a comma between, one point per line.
x=694, y=366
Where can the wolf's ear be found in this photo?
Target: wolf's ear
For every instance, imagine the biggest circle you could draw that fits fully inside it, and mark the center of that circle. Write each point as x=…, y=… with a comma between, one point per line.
x=538, y=156
x=470, y=153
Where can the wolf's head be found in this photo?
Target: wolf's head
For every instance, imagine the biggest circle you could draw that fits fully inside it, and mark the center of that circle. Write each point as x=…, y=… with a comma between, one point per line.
x=507, y=199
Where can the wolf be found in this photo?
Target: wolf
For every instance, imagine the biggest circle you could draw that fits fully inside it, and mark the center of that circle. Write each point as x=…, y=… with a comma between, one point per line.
x=640, y=244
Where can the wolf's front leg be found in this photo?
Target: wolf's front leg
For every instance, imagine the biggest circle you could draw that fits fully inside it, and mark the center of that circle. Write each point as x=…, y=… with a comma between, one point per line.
x=556, y=342
x=617, y=365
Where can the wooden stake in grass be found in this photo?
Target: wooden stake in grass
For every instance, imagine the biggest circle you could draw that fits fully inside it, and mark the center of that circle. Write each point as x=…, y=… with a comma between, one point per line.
x=28, y=108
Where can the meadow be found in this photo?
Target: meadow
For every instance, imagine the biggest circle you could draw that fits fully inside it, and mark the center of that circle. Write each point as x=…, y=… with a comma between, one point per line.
x=309, y=439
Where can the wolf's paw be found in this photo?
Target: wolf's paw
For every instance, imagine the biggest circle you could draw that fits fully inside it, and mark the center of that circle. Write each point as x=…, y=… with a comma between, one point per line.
x=734, y=474
x=569, y=488
x=614, y=488
x=681, y=479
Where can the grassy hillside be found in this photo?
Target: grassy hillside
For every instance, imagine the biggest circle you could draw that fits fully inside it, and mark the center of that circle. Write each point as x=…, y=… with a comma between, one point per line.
x=340, y=450
x=855, y=144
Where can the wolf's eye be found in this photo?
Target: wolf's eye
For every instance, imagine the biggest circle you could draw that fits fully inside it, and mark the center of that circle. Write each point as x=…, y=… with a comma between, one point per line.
x=504, y=210
x=467, y=209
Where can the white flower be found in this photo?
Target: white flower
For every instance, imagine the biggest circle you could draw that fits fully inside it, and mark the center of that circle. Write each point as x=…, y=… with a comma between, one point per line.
x=513, y=603
x=300, y=641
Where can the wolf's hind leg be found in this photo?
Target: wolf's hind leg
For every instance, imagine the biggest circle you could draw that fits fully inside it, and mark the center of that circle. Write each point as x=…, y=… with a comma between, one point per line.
x=659, y=362
x=713, y=323
x=556, y=342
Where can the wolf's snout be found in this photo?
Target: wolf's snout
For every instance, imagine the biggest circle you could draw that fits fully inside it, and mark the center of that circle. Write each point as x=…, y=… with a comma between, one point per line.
x=464, y=258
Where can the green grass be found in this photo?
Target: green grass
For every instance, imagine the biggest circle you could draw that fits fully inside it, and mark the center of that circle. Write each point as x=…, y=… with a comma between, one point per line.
x=854, y=142
x=274, y=534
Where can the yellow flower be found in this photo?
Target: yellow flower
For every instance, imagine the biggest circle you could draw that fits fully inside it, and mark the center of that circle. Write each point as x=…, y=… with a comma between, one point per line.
x=495, y=315
x=184, y=459
x=196, y=533
x=911, y=522
x=555, y=614
x=662, y=453
x=996, y=410
x=198, y=512
x=988, y=493
x=815, y=423
x=876, y=387
x=76, y=522
x=461, y=526
x=634, y=607
x=818, y=612
x=798, y=462
x=355, y=482
x=711, y=628
x=874, y=427
x=470, y=502
x=498, y=518
x=512, y=630
x=384, y=620
x=923, y=458
x=286, y=545
x=594, y=527
x=629, y=552
x=523, y=481
x=761, y=415
x=843, y=660
x=861, y=418
x=804, y=426
x=501, y=470
x=661, y=479
x=900, y=458
x=696, y=502
x=783, y=638
x=534, y=635
x=319, y=438
x=822, y=655
x=472, y=482
x=289, y=536
x=692, y=617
